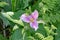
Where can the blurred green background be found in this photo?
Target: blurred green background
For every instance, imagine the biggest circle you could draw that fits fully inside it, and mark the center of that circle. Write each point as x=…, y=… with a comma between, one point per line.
x=12, y=28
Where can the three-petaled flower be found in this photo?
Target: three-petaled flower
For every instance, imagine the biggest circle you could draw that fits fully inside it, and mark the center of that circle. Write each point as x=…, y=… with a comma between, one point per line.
x=32, y=19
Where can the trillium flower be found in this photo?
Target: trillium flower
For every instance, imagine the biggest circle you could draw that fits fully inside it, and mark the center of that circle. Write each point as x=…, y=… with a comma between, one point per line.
x=32, y=19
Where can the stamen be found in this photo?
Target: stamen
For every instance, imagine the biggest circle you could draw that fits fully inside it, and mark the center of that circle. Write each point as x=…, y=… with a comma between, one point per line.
x=31, y=19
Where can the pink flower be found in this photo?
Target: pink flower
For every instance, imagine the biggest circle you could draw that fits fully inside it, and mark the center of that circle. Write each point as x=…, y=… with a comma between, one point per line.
x=32, y=19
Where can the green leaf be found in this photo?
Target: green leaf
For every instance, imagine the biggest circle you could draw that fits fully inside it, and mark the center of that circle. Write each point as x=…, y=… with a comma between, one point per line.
x=31, y=38
x=17, y=14
x=49, y=3
x=46, y=18
x=5, y=21
x=41, y=29
x=15, y=27
x=26, y=3
x=13, y=2
x=52, y=18
x=13, y=20
x=17, y=35
x=39, y=35
x=19, y=4
x=2, y=4
x=48, y=38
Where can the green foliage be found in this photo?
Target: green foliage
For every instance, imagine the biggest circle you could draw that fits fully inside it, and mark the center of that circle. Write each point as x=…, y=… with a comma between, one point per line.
x=22, y=4
x=48, y=38
x=5, y=21
x=57, y=37
x=2, y=38
x=49, y=12
x=17, y=35
x=40, y=36
x=13, y=20
x=2, y=4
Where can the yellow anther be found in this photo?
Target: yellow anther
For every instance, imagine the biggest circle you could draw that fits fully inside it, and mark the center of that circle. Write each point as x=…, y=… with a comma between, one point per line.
x=31, y=19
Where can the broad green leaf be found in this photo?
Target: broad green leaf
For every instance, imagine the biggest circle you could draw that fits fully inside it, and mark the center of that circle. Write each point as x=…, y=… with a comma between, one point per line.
x=18, y=14
x=13, y=20
x=17, y=35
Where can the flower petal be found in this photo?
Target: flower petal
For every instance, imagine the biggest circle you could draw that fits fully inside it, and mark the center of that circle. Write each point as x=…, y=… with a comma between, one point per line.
x=25, y=18
x=34, y=25
x=35, y=14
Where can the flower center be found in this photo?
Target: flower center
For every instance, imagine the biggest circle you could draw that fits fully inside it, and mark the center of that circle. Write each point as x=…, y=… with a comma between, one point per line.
x=31, y=20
